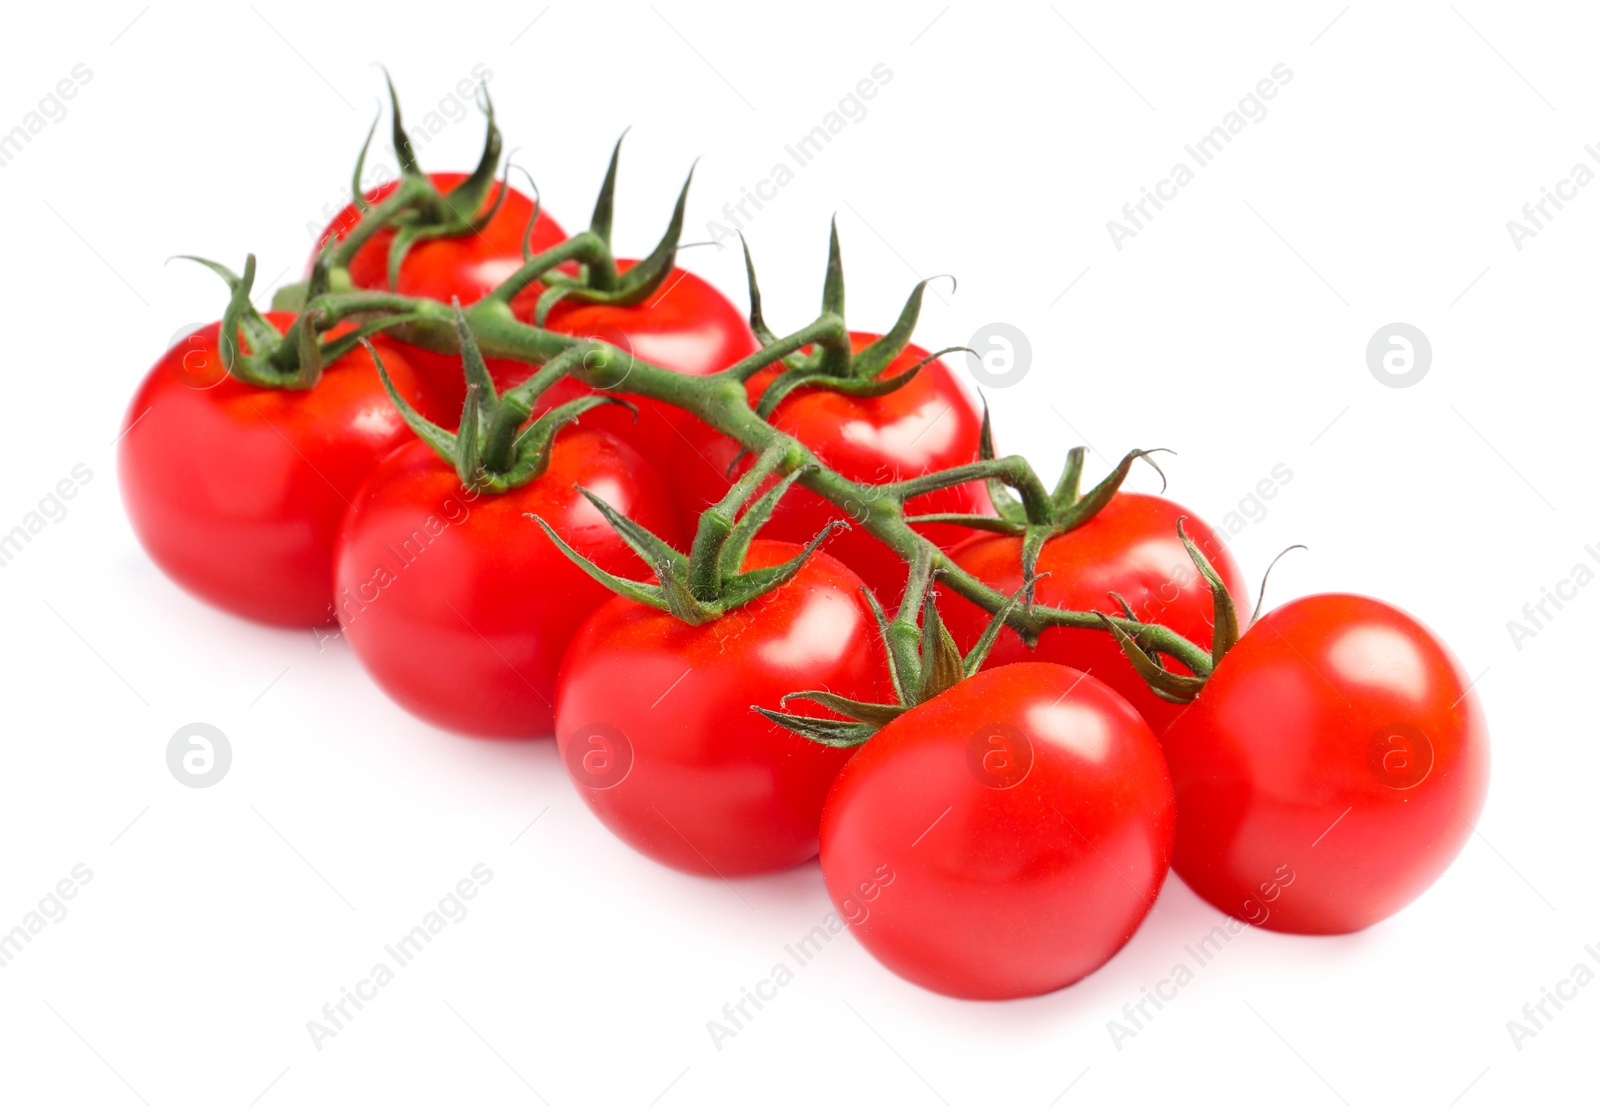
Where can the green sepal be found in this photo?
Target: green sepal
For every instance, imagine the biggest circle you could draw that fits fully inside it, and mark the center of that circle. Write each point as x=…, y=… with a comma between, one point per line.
x=648, y=594
x=1006, y=504
x=1076, y=511
x=971, y=521
x=942, y=667
x=839, y=734
x=874, y=714
x=737, y=544
x=651, y=549
x=602, y=273
x=641, y=280
x=1170, y=686
x=1225, y=618
x=704, y=584
x=886, y=636
x=758, y=324
x=973, y=661
x=792, y=380
x=492, y=450
x=747, y=586
x=870, y=361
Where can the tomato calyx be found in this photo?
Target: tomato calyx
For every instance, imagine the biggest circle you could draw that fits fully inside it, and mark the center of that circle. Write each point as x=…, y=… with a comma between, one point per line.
x=704, y=584
x=599, y=281
x=1034, y=519
x=923, y=660
x=494, y=451
x=274, y=360
x=835, y=365
x=1226, y=631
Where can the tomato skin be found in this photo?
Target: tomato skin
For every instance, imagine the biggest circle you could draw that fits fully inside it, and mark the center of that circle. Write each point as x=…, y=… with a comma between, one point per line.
x=1001, y=892
x=458, y=605
x=1130, y=547
x=1301, y=758
x=927, y=425
x=707, y=785
x=687, y=326
x=237, y=491
x=465, y=267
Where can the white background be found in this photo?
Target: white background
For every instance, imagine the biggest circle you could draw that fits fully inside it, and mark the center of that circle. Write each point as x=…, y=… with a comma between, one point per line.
x=1232, y=329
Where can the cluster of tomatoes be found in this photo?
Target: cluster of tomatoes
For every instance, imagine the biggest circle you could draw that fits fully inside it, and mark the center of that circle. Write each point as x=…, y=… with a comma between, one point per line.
x=995, y=813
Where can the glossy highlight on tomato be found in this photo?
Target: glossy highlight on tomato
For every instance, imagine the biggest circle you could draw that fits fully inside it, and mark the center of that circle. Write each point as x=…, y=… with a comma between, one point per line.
x=457, y=603
x=1026, y=817
x=237, y=491
x=1130, y=547
x=656, y=728
x=1339, y=743
x=926, y=425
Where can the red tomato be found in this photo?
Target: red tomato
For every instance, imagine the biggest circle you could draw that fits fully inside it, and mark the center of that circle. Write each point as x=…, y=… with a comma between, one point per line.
x=458, y=605
x=236, y=491
x=654, y=719
x=1330, y=770
x=1003, y=839
x=927, y=425
x=686, y=325
x=465, y=267
x=1130, y=547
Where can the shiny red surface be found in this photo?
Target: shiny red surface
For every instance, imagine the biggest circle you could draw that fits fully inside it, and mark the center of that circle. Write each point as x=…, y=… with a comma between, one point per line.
x=927, y=425
x=237, y=492
x=1130, y=547
x=1001, y=892
x=459, y=606
x=1339, y=740
x=712, y=787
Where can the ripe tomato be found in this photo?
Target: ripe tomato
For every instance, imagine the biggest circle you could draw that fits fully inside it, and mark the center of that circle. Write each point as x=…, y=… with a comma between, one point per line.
x=1131, y=547
x=654, y=719
x=1330, y=770
x=687, y=325
x=465, y=267
x=1025, y=820
x=927, y=425
x=236, y=491
x=458, y=605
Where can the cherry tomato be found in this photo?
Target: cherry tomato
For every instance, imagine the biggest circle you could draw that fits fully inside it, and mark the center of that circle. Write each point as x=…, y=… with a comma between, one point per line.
x=1330, y=770
x=465, y=267
x=457, y=603
x=654, y=718
x=686, y=326
x=1003, y=839
x=236, y=491
x=927, y=425
x=1130, y=547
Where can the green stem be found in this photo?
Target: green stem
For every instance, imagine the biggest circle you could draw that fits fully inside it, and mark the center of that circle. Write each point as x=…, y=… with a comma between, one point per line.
x=720, y=401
